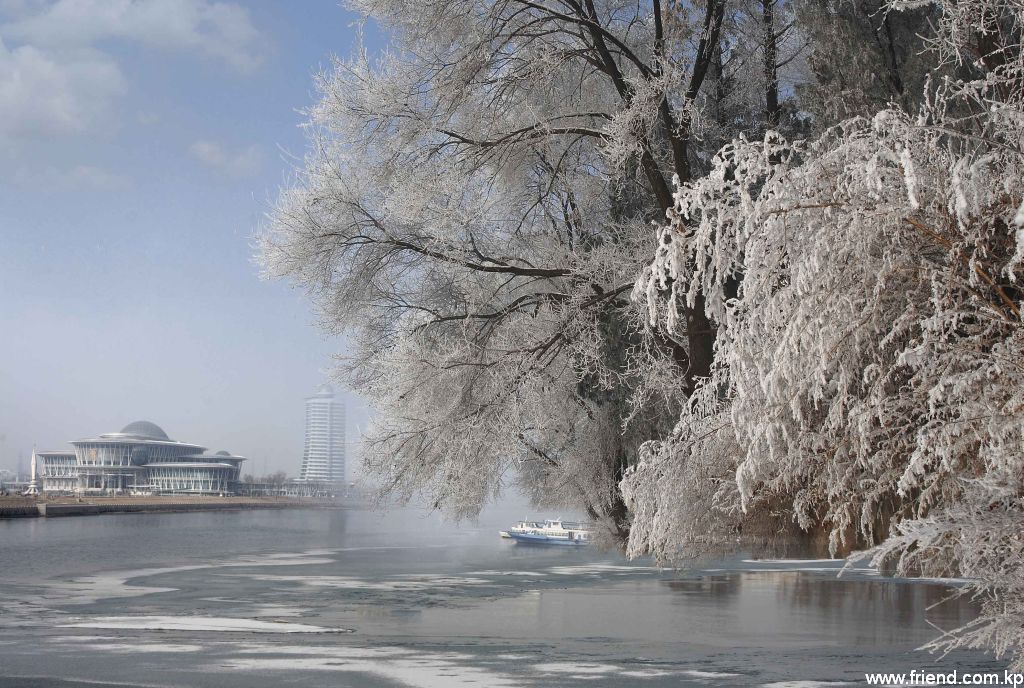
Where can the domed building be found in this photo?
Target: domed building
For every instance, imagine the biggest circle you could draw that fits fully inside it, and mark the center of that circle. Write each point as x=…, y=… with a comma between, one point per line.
x=140, y=459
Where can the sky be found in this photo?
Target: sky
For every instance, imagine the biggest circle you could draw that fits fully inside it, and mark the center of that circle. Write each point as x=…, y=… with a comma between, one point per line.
x=141, y=142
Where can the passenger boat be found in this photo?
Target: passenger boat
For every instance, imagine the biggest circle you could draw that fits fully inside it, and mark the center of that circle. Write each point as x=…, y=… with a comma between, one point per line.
x=549, y=532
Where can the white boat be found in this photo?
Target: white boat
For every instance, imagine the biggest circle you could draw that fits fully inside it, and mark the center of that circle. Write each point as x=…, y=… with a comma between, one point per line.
x=549, y=532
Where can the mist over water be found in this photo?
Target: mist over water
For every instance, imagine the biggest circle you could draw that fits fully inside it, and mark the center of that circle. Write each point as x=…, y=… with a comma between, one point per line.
x=361, y=598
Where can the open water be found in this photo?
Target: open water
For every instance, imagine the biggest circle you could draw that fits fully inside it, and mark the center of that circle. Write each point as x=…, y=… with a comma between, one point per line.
x=362, y=599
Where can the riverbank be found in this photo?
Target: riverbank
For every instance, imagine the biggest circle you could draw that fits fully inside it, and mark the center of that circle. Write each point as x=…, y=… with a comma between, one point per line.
x=21, y=507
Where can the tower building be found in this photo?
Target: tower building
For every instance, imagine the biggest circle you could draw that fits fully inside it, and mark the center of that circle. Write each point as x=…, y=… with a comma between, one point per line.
x=323, y=457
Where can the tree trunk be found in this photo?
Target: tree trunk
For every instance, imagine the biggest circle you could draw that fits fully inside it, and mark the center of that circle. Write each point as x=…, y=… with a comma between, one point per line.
x=771, y=60
x=700, y=338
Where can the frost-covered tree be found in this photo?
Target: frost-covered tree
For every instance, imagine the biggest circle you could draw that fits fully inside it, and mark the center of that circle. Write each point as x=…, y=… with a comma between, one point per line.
x=753, y=71
x=472, y=213
x=862, y=56
x=868, y=382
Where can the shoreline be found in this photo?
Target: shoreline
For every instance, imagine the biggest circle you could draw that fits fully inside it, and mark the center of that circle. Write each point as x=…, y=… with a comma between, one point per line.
x=11, y=508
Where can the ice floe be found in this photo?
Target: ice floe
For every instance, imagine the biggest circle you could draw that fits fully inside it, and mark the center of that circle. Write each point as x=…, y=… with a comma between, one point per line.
x=405, y=582
x=307, y=558
x=583, y=569
x=402, y=666
x=199, y=623
x=807, y=684
x=697, y=673
x=140, y=648
x=798, y=562
x=115, y=584
x=594, y=670
x=577, y=668
x=110, y=585
x=278, y=610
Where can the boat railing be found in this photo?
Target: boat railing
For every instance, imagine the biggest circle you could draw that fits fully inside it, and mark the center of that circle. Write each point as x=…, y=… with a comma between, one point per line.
x=552, y=524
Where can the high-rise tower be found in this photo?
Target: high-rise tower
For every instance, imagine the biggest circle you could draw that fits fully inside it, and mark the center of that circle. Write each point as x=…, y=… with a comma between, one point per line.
x=324, y=455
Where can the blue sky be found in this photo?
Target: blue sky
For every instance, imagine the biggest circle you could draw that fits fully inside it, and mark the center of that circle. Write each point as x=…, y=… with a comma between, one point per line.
x=140, y=143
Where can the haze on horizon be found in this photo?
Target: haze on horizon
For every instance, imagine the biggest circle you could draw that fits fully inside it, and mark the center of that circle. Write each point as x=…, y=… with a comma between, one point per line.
x=140, y=145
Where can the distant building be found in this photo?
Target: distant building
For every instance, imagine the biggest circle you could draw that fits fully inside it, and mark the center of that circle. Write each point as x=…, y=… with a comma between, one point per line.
x=55, y=472
x=291, y=488
x=323, y=458
x=10, y=483
x=140, y=459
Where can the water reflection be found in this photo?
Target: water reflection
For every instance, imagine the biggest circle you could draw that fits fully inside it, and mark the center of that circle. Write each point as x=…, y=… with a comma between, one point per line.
x=883, y=611
x=846, y=611
x=716, y=585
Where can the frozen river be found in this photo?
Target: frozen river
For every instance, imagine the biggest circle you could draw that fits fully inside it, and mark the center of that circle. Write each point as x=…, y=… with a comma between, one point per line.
x=359, y=599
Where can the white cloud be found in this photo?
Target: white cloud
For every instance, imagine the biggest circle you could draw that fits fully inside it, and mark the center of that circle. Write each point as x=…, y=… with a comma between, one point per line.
x=77, y=177
x=96, y=178
x=44, y=94
x=219, y=30
x=59, y=72
x=18, y=7
x=240, y=163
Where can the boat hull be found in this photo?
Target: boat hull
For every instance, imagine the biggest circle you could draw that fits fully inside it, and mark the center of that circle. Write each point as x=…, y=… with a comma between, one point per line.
x=531, y=539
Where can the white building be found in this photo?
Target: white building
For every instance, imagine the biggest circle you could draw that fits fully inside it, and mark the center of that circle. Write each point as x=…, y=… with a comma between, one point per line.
x=140, y=459
x=323, y=458
x=55, y=472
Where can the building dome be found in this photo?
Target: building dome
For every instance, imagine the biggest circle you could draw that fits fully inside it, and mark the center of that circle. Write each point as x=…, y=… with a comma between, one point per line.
x=223, y=453
x=146, y=430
